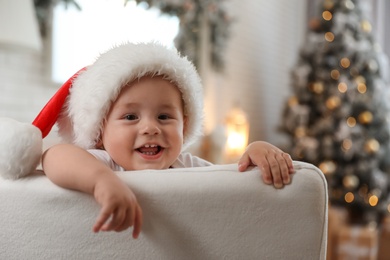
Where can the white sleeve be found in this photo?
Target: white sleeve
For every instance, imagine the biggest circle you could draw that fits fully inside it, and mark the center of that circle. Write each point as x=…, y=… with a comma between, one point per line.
x=103, y=156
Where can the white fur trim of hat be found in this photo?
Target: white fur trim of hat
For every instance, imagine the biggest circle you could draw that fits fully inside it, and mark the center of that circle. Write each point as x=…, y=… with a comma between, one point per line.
x=97, y=87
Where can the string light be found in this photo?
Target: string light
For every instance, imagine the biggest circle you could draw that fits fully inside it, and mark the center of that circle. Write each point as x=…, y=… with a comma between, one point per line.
x=362, y=88
x=345, y=63
x=350, y=181
x=317, y=87
x=365, y=117
x=349, y=197
x=327, y=167
x=335, y=74
x=371, y=146
x=373, y=200
x=329, y=37
x=347, y=144
x=333, y=102
x=327, y=15
x=360, y=79
x=342, y=87
x=366, y=26
x=351, y=121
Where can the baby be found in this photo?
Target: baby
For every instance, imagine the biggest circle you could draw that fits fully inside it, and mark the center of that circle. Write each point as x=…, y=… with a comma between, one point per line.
x=139, y=106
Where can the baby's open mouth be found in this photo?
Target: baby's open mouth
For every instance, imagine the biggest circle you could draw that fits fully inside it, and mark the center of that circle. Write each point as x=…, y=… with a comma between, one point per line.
x=150, y=149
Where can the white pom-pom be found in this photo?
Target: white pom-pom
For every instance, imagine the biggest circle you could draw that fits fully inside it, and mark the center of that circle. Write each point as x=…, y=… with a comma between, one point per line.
x=20, y=148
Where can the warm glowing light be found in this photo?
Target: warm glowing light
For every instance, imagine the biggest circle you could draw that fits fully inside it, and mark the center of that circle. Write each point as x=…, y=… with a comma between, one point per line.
x=345, y=63
x=349, y=197
x=360, y=79
x=373, y=200
x=366, y=26
x=362, y=88
x=350, y=181
x=327, y=167
x=327, y=15
x=342, y=87
x=365, y=117
x=351, y=121
x=335, y=74
x=329, y=37
x=237, y=130
x=347, y=144
x=372, y=146
x=333, y=102
x=317, y=87
x=235, y=140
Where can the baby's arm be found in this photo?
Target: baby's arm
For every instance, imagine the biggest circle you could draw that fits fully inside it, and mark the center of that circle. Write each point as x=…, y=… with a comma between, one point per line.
x=276, y=165
x=74, y=168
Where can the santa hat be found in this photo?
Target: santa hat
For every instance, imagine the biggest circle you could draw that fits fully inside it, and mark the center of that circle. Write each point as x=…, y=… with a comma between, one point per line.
x=82, y=103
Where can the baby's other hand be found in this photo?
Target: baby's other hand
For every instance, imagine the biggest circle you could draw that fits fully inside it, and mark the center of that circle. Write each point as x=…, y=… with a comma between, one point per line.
x=275, y=165
x=119, y=207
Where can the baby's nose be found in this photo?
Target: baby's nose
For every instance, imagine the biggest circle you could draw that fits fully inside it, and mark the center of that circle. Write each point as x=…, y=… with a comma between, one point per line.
x=150, y=128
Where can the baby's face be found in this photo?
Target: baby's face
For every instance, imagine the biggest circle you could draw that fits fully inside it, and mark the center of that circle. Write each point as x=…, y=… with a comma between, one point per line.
x=144, y=127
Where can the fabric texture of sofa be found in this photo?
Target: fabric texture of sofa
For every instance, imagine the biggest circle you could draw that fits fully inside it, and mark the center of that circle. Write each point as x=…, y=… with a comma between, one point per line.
x=196, y=213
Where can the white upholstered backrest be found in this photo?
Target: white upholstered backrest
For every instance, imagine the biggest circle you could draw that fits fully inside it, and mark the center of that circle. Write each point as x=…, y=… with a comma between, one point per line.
x=197, y=213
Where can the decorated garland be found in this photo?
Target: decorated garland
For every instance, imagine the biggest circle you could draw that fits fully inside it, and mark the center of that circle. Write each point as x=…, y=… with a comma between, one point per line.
x=43, y=12
x=190, y=14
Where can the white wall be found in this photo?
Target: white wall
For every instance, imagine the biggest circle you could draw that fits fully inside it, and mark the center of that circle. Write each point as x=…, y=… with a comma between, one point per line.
x=24, y=89
x=265, y=40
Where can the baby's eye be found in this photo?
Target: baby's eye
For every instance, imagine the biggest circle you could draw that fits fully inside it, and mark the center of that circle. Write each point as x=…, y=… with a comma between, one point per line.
x=131, y=117
x=163, y=117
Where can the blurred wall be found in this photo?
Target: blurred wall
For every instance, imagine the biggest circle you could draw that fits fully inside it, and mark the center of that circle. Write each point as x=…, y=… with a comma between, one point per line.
x=265, y=40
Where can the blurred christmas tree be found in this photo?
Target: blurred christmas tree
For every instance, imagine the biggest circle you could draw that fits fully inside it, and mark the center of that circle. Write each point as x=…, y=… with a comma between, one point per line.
x=338, y=115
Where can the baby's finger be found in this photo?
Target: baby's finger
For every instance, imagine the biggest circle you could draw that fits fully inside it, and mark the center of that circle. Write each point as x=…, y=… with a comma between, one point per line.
x=116, y=221
x=275, y=171
x=289, y=162
x=104, y=215
x=244, y=162
x=283, y=167
x=128, y=220
x=137, y=222
x=264, y=167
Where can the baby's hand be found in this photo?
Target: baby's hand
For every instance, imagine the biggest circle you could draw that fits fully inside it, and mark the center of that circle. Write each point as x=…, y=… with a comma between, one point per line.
x=276, y=165
x=119, y=207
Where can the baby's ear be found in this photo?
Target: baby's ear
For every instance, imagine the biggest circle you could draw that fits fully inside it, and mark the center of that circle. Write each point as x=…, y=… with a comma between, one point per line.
x=185, y=124
x=99, y=142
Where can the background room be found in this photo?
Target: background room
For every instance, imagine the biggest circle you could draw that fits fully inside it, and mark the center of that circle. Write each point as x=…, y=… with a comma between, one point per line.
x=257, y=61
